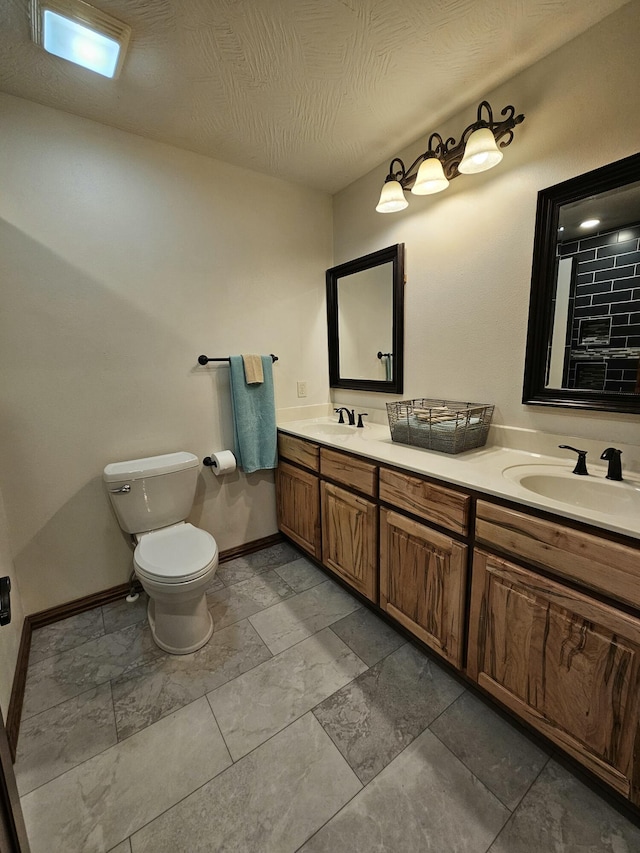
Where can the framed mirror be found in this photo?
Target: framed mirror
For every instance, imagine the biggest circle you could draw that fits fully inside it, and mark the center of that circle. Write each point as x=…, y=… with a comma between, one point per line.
x=365, y=316
x=583, y=340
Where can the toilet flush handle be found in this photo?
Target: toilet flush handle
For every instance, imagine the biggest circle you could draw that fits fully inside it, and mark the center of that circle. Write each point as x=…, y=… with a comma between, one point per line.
x=124, y=490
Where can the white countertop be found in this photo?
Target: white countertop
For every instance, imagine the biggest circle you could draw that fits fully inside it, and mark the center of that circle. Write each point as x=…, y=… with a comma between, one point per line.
x=482, y=470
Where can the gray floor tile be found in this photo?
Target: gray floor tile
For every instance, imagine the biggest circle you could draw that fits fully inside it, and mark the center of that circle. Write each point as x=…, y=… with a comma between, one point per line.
x=124, y=847
x=269, y=802
x=66, y=634
x=560, y=814
x=375, y=717
x=285, y=624
x=261, y=702
x=301, y=574
x=246, y=567
x=70, y=673
x=425, y=801
x=110, y=796
x=368, y=635
x=153, y=690
x=119, y=614
x=501, y=756
x=58, y=739
x=215, y=585
x=247, y=597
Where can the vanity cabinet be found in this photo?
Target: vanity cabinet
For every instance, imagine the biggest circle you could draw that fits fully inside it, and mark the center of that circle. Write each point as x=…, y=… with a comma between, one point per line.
x=349, y=538
x=564, y=662
x=422, y=582
x=548, y=623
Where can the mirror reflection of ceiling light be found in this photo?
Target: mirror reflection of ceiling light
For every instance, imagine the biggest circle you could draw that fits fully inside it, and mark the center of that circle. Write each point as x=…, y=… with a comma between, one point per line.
x=444, y=160
x=79, y=33
x=589, y=223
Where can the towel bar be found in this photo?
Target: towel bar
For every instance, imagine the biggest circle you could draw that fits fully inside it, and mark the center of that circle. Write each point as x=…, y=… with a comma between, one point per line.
x=202, y=359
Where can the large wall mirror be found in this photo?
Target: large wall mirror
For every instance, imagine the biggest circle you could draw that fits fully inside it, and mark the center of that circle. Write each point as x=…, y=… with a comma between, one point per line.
x=365, y=315
x=583, y=343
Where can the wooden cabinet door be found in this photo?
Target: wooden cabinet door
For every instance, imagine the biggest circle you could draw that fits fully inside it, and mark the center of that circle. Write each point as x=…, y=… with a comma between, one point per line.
x=564, y=662
x=423, y=581
x=349, y=538
x=298, y=506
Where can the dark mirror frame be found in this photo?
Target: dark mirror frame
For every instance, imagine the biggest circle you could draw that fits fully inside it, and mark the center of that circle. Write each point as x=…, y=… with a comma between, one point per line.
x=395, y=255
x=543, y=274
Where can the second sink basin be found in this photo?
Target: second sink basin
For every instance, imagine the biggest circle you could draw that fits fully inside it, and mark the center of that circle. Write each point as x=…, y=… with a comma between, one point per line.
x=333, y=429
x=593, y=492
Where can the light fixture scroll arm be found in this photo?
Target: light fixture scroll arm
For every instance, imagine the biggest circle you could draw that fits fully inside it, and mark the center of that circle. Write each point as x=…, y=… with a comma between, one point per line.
x=504, y=131
x=398, y=175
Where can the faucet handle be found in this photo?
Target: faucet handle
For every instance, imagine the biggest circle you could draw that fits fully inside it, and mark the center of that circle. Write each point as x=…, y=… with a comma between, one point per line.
x=581, y=464
x=612, y=456
x=360, y=416
x=341, y=413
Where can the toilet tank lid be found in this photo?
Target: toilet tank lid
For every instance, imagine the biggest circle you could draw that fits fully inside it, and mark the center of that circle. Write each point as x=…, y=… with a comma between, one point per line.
x=150, y=466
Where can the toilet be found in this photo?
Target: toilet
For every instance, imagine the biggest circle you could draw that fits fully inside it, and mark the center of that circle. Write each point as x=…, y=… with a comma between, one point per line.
x=174, y=560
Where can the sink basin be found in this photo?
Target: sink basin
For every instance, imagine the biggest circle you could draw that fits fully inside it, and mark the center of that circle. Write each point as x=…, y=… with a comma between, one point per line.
x=592, y=492
x=329, y=429
x=334, y=429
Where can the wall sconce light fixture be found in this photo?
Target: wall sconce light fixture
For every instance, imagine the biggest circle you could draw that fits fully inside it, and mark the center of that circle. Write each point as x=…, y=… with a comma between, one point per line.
x=444, y=160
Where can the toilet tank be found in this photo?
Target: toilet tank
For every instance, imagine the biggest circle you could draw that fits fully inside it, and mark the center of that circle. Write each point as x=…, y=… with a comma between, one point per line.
x=153, y=492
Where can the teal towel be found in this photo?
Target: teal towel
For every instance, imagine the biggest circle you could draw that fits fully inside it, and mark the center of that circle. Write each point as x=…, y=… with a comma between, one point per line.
x=388, y=368
x=254, y=418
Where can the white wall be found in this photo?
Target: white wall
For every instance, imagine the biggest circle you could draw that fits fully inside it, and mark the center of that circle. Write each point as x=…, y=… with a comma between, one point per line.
x=469, y=249
x=121, y=261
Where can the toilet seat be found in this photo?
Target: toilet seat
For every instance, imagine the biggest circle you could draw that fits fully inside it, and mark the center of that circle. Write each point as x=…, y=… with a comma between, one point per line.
x=175, y=554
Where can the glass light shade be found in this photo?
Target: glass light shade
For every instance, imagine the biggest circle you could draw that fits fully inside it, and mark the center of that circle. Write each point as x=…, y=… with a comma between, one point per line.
x=430, y=178
x=480, y=152
x=391, y=198
x=76, y=43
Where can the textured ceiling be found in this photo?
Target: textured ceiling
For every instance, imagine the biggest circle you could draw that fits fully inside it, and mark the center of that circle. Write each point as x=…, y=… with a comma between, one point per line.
x=315, y=91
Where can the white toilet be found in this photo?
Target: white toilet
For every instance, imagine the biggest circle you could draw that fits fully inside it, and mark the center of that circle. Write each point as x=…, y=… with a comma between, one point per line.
x=174, y=560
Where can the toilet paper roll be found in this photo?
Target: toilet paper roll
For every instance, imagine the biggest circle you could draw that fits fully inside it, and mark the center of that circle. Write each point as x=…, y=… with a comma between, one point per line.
x=223, y=462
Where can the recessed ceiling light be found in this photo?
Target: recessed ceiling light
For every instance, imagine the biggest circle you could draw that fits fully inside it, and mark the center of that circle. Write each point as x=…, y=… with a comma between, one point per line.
x=75, y=31
x=590, y=223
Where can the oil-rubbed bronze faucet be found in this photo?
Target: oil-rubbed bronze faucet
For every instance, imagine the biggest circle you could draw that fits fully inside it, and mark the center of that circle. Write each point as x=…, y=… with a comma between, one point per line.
x=581, y=464
x=612, y=456
x=350, y=415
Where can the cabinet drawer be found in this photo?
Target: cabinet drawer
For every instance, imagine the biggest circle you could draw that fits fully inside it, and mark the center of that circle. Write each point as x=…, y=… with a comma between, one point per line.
x=608, y=567
x=435, y=503
x=298, y=450
x=350, y=470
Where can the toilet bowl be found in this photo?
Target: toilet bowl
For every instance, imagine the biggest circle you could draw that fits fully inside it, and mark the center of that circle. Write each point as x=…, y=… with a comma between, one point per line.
x=175, y=565
x=174, y=560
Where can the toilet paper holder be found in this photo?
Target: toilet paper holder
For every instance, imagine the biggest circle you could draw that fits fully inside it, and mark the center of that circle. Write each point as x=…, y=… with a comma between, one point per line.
x=221, y=462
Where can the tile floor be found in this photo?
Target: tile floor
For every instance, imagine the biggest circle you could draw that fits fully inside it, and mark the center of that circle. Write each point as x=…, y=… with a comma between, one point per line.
x=306, y=724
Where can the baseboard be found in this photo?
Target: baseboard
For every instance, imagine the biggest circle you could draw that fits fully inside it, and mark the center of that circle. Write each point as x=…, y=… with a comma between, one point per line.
x=80, y=605
x=14, y=711
x=250, y=547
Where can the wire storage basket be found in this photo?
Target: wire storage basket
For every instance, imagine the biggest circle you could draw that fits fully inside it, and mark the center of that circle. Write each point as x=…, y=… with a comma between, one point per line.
x=442, y=425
